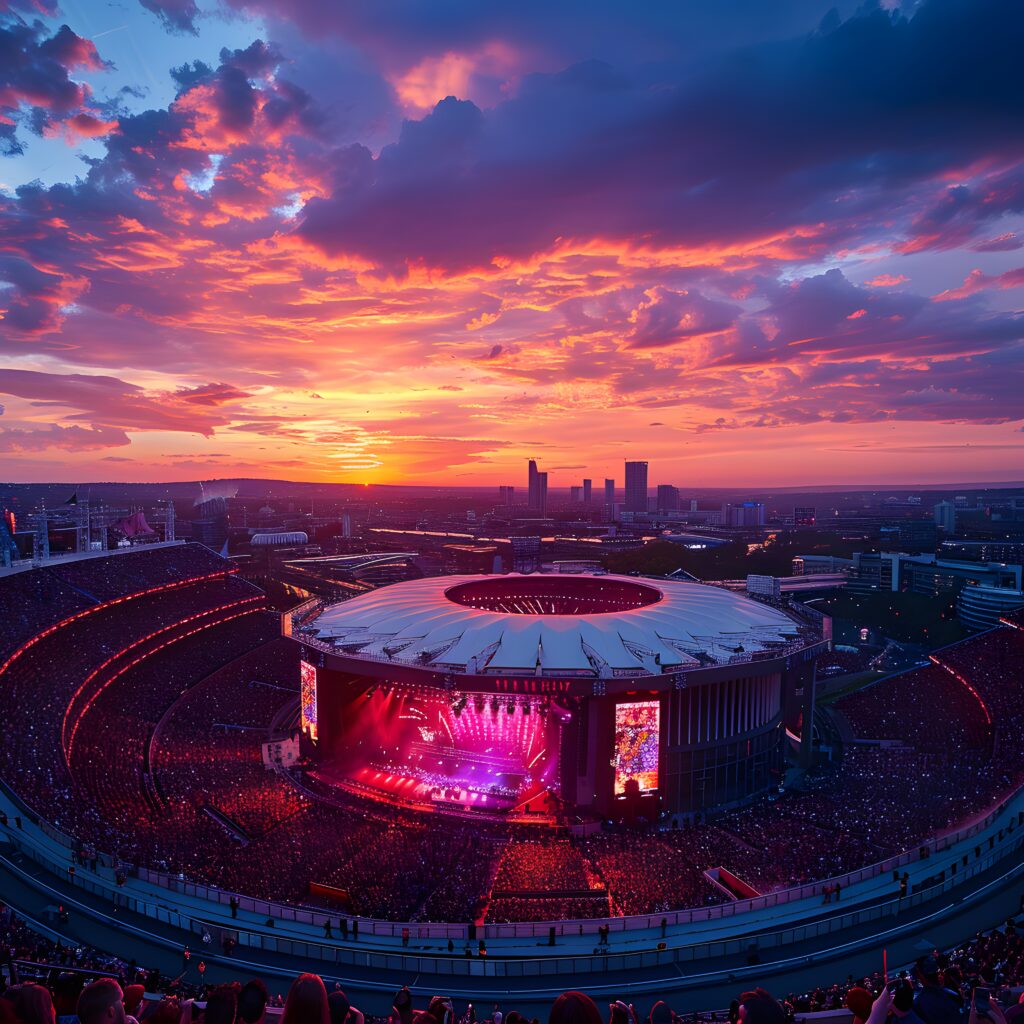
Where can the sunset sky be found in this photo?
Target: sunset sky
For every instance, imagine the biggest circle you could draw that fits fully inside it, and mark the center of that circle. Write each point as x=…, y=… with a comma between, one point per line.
x=765, y=243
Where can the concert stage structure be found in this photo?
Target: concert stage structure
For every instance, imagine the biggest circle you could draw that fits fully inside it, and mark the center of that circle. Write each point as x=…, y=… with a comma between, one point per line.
x=520, y=695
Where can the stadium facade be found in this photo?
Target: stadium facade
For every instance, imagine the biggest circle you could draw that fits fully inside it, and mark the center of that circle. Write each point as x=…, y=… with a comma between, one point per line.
x=600, y=693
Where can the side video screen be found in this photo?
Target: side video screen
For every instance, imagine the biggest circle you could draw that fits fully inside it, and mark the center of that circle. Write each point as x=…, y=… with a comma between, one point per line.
x=307, y=698
x=636, y=745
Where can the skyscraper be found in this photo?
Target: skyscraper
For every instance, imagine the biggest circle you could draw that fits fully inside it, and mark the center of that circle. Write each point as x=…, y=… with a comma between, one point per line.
x=542, y=493
x=575, y=494
x=588, y=489
x=609, y=498
x=636, y=487
x=533, y=493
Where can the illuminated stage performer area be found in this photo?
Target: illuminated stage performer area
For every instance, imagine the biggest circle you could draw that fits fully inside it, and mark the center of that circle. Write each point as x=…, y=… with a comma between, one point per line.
x=532, y=695
x=421, y=747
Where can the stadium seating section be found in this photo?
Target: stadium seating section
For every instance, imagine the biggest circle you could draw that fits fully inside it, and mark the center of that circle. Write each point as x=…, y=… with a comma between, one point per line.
x=140, y=688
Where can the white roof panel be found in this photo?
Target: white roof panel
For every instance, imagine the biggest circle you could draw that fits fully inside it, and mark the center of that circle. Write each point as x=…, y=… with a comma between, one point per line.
x=685, y=624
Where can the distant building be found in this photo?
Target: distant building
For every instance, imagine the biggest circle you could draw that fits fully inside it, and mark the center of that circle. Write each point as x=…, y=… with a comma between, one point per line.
x=279, y=539
x=506, y=495
x=592, y=548
x=575, y=494
x=749, y=513
x=609, y=498
x=538, y=489
x=979, y=606
x=533, y=485
x=8, y=548
x=927, y=575
x=668, y=498
x=915, y=535
x=804, y=516
x=525, y=554
x=588, y=491
x=983, y=550
x=636, y=487
x=811, y=565
x=469, y=558
x=576, y=565
x=945, y=516
x=709, y=517
x=765, y=586
x=210, y=525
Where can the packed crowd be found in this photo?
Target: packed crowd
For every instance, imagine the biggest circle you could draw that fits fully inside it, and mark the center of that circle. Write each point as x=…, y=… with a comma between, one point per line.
x=904, y=708
x=991, y=664
x=554, y=865
x=45, y=982
x=207, y=751
x=650, y=875
x=128, y=811
x=55, y=592
x=50, y=686
x=166, y=770
x=544, y=879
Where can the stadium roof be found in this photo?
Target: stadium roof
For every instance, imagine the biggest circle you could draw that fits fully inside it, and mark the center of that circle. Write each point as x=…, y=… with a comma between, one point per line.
x=430, y=623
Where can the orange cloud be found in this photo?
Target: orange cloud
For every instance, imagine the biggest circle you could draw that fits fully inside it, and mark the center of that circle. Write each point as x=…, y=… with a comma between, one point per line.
x=425, y=84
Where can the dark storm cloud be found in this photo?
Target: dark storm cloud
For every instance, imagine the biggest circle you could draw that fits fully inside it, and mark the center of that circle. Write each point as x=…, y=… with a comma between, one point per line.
x=836, y=125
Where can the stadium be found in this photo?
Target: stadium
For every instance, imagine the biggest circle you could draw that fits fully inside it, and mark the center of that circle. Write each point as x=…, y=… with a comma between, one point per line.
x=526, y=694
x=595, y=781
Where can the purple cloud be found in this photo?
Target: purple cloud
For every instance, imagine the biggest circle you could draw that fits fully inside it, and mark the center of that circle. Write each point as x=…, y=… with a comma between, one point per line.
x=178, y=16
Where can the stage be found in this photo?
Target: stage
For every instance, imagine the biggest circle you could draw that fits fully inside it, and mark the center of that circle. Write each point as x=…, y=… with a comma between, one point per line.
x=425, y=749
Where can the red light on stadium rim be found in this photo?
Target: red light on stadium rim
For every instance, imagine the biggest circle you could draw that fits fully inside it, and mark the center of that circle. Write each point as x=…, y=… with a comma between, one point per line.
x=108, y=604
x=70, y=741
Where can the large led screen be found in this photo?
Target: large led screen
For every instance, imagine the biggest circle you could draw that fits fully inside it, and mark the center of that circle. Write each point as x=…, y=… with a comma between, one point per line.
x=307, y=698
x=636, y=745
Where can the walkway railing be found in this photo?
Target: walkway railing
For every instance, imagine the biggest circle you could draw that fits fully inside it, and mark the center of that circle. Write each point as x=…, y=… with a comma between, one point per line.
x=498, y=966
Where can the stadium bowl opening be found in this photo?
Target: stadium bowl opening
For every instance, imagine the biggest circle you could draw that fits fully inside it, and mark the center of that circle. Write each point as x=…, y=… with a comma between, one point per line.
x=553, y=595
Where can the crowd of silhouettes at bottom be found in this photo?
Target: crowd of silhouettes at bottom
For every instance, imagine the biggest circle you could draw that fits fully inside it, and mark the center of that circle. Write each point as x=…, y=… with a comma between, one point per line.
x=927, y=998
x=972, y=984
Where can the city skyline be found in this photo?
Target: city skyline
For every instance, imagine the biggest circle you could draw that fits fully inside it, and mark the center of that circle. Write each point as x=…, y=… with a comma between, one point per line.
x=243, y=238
